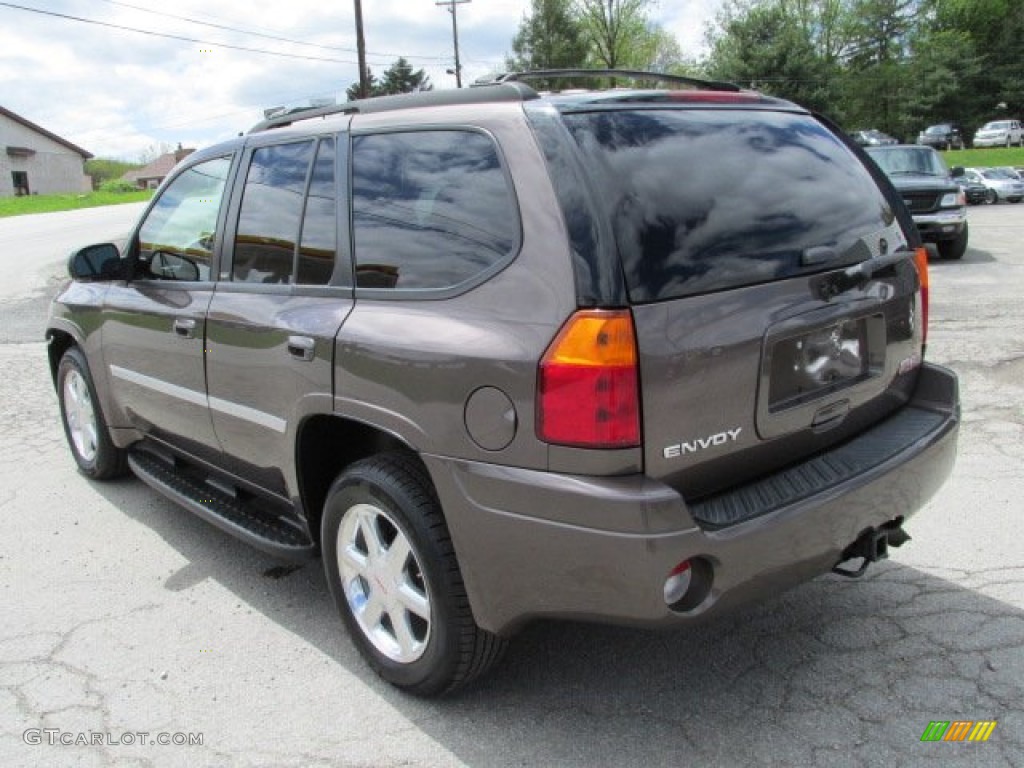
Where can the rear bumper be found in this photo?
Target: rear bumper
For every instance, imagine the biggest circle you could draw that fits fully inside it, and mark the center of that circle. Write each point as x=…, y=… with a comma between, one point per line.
x=534, y=544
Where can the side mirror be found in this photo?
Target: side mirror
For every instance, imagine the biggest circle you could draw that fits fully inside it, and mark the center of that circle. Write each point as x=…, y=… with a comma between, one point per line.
x=957, y=171
x=95, y=262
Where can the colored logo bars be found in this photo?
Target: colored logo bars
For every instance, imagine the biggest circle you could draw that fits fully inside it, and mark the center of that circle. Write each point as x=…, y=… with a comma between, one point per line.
x=958, y=730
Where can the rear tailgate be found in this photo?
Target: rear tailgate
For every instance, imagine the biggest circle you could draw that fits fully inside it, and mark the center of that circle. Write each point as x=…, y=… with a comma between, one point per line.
x=734, y=227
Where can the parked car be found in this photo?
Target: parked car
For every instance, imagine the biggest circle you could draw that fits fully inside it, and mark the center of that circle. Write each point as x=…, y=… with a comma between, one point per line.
x=500, y=356
x=1000, y=183
x=873, y=138
x=942, y=136
x=999, y=133
x=974, y=191
x=930, y=191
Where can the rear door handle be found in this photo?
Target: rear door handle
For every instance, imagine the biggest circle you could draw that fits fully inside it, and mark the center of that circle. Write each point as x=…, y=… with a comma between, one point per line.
x=301, y=347
x=185, y=327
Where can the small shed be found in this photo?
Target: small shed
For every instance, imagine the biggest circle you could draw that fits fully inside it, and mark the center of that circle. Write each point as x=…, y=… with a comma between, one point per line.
x=34, y=161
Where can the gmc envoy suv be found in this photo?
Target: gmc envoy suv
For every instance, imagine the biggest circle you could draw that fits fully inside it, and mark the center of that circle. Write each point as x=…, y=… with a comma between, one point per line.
x=635, y=355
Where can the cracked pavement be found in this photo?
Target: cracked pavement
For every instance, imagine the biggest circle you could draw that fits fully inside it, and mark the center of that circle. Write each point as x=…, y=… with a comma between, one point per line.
x=125, y=614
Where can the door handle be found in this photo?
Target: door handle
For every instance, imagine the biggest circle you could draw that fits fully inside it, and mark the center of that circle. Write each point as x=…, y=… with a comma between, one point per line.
x=301, y=347
x=185, y=327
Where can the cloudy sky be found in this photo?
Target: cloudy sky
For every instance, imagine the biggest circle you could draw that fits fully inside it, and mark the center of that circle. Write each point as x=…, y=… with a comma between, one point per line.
x=76, y=68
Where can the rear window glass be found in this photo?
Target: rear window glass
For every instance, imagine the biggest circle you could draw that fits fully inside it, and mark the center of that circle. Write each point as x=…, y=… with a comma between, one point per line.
x=704, y=200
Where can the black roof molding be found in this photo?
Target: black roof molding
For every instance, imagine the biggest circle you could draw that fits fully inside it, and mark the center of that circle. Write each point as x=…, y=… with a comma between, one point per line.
x=501, y=92
x=633, y=74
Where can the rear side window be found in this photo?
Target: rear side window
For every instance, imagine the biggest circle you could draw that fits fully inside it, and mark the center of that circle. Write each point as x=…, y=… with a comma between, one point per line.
x=705, y=200
x=319, y=244
x=431, y=209
x=268, y=225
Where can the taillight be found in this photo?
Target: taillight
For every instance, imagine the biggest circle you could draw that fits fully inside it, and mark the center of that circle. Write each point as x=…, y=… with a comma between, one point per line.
x=588, y=391
x=921, y=262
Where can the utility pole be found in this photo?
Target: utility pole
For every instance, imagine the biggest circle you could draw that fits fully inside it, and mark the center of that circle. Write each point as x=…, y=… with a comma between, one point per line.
x=364, y=76
x=451, y=4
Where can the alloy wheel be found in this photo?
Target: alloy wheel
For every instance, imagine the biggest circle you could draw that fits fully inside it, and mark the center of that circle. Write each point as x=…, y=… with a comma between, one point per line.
x=81, y=415
x=383, y=583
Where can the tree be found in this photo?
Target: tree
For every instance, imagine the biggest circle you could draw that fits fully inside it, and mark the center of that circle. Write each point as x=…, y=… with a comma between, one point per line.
x=550, y=37
x=103, y=169
x=765, y=47
x=614, y=29
x=398, y=78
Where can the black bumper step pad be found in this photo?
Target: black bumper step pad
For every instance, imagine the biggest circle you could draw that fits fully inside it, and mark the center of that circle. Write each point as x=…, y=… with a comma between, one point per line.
x=874, y=447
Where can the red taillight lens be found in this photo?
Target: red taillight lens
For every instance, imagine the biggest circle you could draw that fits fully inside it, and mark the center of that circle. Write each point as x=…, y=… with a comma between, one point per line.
x=588, y=393
x=921, y=261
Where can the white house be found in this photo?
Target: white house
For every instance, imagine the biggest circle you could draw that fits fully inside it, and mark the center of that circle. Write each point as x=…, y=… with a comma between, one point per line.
x=35, y=161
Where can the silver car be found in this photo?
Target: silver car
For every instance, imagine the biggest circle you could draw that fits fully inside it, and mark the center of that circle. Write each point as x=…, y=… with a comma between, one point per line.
x=1001, y=184
x=999, y=133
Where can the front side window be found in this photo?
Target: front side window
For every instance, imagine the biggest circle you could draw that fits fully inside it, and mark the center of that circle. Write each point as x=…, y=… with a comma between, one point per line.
x=177, y=238
x=268, y=224
x=431, y=209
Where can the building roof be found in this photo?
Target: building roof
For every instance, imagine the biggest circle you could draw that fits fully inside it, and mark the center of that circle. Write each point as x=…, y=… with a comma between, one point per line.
x=159, y=168
x=38, y=129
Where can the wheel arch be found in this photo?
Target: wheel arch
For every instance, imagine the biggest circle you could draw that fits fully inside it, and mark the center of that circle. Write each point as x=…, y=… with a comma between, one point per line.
x=58, y=342
x=325, y=445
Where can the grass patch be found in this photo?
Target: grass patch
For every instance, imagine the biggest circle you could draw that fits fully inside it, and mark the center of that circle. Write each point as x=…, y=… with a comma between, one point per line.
x=985, y=158
x=18, y=206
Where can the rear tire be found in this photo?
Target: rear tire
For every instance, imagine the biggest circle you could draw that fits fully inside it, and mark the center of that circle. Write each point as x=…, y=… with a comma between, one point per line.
x=954, y=250
x=395, y=579
x=84, y=425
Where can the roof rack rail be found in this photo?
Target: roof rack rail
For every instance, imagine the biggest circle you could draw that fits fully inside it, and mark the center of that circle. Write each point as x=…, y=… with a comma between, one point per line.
x=548, y=74
x=497, y=92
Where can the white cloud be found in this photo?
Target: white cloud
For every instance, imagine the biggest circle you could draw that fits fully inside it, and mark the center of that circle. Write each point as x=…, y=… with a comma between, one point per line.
x=116, y=92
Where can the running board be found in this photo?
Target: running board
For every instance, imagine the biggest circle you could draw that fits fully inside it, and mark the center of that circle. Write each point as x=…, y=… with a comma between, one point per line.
x=262, y=531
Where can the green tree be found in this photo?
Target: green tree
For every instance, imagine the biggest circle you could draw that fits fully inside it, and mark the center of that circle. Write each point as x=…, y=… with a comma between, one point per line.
x=549, y=37
x=763, y=46
x=613, y=28
x=103, y=169
x=993, y=32
x=400, y=77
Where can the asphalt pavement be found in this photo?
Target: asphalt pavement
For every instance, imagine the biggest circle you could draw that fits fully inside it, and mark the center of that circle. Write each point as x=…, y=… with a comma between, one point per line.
x=128, y=622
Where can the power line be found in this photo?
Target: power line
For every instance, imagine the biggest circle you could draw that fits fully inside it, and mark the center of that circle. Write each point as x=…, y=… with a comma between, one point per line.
x=182, y=38
x=254, y=33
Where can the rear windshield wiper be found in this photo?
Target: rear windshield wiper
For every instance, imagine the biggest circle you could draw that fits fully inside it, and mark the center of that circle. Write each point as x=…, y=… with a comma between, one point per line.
x=857, y=276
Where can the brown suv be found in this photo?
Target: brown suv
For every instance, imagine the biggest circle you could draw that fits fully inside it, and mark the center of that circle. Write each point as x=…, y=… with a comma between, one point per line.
x=631, y=355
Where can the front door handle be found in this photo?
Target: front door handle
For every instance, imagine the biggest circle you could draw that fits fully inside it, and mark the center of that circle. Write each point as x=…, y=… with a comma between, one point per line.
x=185, y=327
x=301, y=347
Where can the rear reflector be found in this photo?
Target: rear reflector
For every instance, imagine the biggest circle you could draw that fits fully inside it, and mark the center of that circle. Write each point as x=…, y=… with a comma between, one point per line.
x=921, y=262
x=588, y=393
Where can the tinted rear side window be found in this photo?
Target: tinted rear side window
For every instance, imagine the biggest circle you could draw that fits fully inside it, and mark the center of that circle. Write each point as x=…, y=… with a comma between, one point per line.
x=268, y=225
x=704, y=200
x=431, y=209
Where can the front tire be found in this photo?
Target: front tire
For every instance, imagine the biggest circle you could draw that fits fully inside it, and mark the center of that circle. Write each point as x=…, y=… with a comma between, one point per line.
x=954, y=250
x=991, y=197
x=395, y=579
x=84, y=425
